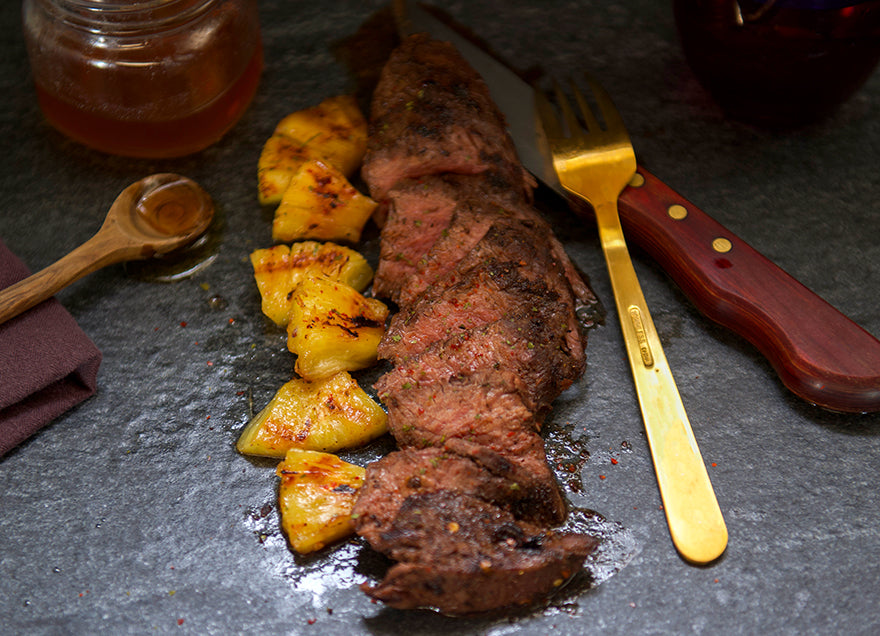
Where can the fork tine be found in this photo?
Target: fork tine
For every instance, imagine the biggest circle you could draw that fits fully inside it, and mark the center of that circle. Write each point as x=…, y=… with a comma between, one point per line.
x=571, y=121
x=613, y=120
x=547, y=113
x=586, y=111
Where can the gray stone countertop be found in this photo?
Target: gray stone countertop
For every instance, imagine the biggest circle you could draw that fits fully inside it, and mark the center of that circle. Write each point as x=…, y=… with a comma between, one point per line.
x=133, y=513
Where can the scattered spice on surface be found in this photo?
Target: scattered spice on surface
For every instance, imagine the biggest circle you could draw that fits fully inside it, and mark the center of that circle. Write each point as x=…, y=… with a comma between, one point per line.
x=183, y=323
x=614, y=461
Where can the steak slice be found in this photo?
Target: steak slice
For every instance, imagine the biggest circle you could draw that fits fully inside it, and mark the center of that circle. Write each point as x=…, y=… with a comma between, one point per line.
x=419, y=213
x=431, y=113
x=527, y=346
x=419, y=210
x=505, y=271
x=462, y=555
x=472, y=219
x=478, y=418
x=404, y=473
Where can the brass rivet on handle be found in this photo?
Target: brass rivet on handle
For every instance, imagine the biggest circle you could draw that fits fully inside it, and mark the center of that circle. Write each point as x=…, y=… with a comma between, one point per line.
x=637, y=180
x=722, y=245
x=677, y=212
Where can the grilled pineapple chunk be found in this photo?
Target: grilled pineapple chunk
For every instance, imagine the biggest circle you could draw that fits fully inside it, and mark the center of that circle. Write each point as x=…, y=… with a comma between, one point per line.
x=333, y=328
x=324, y=415
x=320, y=203
x=335, y=130
x=336, y=127
x=279, y=269
x=280, y=158
x=315, y=498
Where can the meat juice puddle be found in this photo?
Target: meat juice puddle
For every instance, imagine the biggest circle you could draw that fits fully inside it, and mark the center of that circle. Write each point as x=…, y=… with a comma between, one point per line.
x=567, y=456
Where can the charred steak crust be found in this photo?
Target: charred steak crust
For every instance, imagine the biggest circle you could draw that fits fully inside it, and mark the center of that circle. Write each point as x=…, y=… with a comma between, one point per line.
x=486, y=338
x=457, y=552
x=432, y=114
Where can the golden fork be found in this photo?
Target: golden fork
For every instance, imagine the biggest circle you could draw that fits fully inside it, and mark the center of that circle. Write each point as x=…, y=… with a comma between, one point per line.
x=595, y=163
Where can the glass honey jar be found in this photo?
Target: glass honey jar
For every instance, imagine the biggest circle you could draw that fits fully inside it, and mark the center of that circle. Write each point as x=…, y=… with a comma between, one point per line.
x=144, y=78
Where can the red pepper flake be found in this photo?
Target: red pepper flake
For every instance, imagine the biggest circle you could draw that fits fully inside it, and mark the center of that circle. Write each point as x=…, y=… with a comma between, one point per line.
x=231, y=320
x=614, y=461
x=715, y=581
x=312, y=621
x=210, y=364
x=714, y=464
x=601, y=476
x=180, y=621
x=183, y=323
x=239, y=393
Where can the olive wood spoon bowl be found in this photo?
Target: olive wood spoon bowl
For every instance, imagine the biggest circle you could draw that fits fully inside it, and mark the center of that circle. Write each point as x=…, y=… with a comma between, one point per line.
x=151, y=217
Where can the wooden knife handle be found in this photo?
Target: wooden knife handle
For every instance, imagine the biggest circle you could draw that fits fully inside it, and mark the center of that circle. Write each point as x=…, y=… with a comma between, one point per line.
x=820, y=354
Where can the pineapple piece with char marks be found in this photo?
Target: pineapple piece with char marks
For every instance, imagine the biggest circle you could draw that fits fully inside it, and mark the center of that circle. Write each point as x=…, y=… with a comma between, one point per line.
x=324, y=415
x=333, y=328
x=315, y=498
x=320, y=203
x=279, y=269
x=334, y=131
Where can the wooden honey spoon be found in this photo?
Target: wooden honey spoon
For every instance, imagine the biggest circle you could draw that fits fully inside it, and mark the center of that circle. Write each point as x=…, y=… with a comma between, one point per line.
x=151, y=217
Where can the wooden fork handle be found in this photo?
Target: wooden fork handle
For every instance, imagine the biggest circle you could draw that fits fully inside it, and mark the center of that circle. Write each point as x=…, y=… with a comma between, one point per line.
x=819, y=353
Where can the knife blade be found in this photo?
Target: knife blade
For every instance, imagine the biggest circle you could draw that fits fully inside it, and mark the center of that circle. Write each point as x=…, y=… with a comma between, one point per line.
x=819, y=354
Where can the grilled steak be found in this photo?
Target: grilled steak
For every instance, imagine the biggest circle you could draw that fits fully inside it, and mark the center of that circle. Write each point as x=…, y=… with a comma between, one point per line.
x=486, y=338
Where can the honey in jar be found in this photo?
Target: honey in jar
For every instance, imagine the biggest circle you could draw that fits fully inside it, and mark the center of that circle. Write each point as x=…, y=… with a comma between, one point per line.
x=144, y=78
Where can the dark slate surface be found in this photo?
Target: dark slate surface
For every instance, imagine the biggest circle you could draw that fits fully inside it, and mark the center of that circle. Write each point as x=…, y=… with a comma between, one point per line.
x=133, y=512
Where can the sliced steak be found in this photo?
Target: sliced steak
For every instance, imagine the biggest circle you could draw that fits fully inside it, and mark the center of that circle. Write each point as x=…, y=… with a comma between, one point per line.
x=431, y=114
x=487, y=336
x=462, y=555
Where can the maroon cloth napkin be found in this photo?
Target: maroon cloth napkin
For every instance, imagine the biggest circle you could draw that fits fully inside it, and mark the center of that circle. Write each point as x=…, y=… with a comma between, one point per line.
x=47, y=363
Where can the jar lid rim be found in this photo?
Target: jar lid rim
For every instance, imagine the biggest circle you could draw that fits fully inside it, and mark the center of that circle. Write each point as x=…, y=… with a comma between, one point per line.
x=133, y=14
